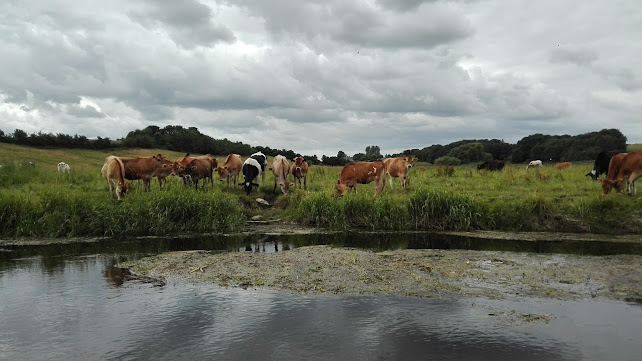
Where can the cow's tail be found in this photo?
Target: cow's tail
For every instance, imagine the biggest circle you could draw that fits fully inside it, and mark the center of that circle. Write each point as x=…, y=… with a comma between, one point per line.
x=284, y=171
x=121, y=166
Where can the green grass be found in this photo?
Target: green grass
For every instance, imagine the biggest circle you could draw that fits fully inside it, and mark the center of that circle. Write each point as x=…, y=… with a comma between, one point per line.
x=39, y=202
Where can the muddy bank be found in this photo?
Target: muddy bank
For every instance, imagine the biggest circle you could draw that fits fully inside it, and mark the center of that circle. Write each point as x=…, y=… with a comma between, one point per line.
x=420, y=273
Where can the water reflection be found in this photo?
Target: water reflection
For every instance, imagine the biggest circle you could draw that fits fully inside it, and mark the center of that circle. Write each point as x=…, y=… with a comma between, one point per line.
x=51, y=260
x=76, y=314
x=71, y=302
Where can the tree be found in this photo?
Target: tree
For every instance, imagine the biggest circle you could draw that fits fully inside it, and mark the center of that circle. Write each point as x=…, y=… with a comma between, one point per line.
x=468, y=153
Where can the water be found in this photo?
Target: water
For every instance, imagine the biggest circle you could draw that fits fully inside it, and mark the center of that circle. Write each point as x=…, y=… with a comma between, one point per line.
x=69, y=302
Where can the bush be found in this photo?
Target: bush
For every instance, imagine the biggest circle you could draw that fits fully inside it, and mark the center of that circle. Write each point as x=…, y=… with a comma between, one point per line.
x=447, y=160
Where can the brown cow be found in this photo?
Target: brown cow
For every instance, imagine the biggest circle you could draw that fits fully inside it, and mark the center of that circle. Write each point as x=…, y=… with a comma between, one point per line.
x=114, y=172
x=563, y=165
x=300, y=170
x=231, y=169
x=399, y=167
x=182, y=164
x=281, y=168
x=623, y=168
x=361, y=173
x=614, y=167
x=142, y=168
x=164, y=171
x=200, y=168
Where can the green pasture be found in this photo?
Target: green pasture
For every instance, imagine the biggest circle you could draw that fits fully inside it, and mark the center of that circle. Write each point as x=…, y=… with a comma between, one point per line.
x=39, y=202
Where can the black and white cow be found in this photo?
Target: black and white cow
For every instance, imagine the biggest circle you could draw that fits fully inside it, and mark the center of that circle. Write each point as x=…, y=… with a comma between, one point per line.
x=253, y=167
x=601, y=165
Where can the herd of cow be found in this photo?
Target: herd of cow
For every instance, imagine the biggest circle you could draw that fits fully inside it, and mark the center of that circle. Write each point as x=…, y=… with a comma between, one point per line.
x=116, y=170
x=621, y=169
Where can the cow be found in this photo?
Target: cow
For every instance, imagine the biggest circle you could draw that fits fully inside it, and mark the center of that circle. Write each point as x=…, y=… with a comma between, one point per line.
x=399, y=168
x=262, y=160
x=623, y=167
x=361, y=173
x=300, y=170
x=142, y=168
x=230, y=169
x=252, y=169
x=534, y=163
x=164, y=171
x=63, y=167
x=563, y=165
x=492, y=165
x=601, y=165
x=205, y=167
x=114, y=172
x=281, y=168
x=200, y=168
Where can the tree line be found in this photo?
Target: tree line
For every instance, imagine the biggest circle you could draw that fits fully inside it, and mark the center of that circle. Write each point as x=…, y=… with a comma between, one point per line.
x=554, y=148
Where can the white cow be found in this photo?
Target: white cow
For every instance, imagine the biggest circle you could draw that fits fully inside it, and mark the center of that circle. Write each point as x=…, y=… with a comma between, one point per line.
x=281, y=168
x=534, y=163
x=63, y=167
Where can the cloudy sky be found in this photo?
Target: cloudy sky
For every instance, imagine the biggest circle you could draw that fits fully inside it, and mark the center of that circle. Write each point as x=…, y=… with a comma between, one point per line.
x=319, y=76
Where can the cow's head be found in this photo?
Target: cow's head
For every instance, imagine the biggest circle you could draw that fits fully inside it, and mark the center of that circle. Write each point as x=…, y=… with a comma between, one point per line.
x=341, y=188
x=482, y=166
x=592, y=174
x=298, y=162
x=223, y=172
x=409, y=161
x=285, y=186
x=121, y=189
x=247, y=186
x=608, y=184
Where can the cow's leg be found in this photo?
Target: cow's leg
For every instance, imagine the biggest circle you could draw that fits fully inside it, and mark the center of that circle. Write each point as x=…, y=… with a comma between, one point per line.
x=274, y=191
x=111, y=187
x=632, y=182
x=305, y=182
x=390, y=180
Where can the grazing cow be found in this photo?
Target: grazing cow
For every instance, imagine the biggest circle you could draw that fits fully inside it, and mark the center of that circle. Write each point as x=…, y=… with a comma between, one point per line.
x=200, y=168
x=361, y=173
x=563, y=165
x=262, y=160
x=230, y=169
x=251, y=170
x=492, y=165
x=205, y=167
x=142, y=168
x=114, y=172
x=280, y=168
x=623, y=168
x=399, y=167
x=300, y=170
x=63, y=167
x=534, y=163
x=601, y=165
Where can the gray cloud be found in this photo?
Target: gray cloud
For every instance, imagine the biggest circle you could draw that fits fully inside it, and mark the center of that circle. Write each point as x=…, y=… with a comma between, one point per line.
x=411, y=73
x=580, y=57
x=188, y=22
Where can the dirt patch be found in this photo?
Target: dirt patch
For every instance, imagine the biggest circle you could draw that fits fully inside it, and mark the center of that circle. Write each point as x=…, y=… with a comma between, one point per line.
x=421, y=273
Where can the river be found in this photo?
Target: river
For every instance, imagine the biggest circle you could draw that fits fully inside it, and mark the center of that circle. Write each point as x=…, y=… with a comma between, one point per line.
x=69, y=302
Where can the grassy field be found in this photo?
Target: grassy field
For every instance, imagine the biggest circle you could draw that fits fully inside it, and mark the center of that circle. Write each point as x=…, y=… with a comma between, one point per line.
x=39, y=202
